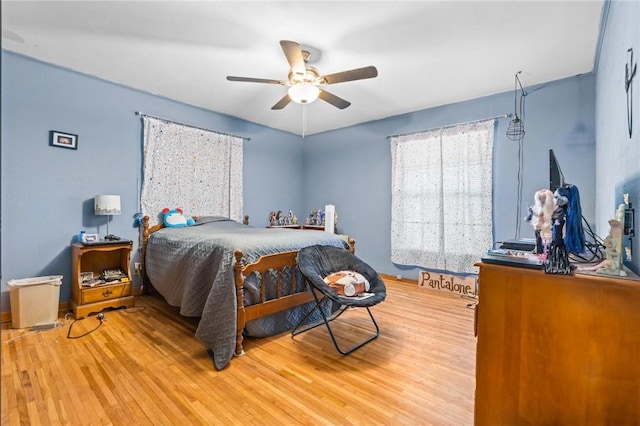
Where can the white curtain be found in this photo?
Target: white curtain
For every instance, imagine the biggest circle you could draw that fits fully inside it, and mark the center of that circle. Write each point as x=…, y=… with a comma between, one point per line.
x=195, y=169
x=442, y=197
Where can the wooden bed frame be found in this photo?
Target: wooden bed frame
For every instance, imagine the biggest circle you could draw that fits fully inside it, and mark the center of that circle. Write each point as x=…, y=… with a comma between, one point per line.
x=277, y=262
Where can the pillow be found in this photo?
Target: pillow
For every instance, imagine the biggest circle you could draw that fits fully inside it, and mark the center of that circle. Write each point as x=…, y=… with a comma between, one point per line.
x=347, y=283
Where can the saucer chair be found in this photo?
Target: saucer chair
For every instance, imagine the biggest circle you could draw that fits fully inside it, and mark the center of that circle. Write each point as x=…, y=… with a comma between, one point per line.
x=317, y=262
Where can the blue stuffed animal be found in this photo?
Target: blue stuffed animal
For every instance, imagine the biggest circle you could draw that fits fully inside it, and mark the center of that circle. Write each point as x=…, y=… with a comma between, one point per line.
x=175, y=218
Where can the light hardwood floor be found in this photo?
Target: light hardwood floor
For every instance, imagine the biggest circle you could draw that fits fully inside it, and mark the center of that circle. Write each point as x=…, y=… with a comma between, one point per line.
x=144, y=366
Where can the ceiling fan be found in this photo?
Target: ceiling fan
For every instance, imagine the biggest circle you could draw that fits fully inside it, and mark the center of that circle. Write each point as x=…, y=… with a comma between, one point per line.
x=305, y=82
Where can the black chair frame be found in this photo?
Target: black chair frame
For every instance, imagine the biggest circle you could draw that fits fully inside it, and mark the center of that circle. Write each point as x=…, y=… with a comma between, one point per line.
x=327, y=319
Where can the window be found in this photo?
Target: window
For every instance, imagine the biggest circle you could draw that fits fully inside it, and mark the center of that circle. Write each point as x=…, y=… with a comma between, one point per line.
x=441, y=198
x=196, y=169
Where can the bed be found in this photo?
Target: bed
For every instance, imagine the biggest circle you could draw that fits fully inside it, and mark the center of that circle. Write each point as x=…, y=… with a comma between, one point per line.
x=239, y=280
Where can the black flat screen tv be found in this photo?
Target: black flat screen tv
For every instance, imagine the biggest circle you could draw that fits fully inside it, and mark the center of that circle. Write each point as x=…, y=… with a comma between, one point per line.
x=556, y=178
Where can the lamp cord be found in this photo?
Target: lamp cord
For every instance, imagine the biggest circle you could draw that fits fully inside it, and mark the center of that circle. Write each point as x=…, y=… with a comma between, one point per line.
x=519, y=216
x=69, y=336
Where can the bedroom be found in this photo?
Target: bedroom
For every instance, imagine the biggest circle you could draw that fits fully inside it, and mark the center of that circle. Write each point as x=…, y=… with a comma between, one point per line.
x=46, y=192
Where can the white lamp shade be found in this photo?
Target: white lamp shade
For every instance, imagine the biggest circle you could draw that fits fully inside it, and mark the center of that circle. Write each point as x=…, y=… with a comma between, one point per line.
x=303, y=93
x=107, y=205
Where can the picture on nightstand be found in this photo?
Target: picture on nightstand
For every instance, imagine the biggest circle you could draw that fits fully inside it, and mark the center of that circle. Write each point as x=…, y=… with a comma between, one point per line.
x=89, y=238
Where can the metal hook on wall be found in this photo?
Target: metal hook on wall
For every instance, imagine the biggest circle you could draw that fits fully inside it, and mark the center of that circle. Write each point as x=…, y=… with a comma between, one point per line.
x=629, y=74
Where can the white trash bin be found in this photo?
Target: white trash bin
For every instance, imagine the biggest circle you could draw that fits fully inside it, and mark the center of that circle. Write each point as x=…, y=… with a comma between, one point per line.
x=34, y=301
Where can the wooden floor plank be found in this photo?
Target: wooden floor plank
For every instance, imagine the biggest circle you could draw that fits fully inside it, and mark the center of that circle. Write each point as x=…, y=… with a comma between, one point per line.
x=145, y=366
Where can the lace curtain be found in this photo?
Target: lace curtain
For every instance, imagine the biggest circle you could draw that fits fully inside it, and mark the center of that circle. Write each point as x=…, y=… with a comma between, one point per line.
x=442, y=197
x=195, y=169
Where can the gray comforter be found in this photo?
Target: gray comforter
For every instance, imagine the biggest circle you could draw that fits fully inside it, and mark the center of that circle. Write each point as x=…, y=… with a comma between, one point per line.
x=192, y=267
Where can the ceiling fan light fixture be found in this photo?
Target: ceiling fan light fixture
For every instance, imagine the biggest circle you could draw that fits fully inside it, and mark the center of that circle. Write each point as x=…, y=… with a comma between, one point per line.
x=303, y=93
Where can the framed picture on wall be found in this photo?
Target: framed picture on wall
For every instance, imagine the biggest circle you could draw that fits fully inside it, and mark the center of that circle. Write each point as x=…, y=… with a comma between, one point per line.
x=63, y=140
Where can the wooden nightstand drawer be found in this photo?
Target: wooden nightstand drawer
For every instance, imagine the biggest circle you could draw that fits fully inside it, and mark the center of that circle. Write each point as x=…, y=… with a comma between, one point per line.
x=105, y=292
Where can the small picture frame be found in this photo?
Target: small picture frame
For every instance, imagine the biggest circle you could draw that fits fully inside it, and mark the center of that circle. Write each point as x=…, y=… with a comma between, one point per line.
x=63, y=140
x=89, y=238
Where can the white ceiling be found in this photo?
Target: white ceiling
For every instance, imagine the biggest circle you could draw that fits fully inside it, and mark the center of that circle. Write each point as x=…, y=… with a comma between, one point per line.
x=427, y=53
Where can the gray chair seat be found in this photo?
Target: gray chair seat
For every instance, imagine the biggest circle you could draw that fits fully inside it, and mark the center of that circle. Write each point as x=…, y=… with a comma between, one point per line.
x=316, y=263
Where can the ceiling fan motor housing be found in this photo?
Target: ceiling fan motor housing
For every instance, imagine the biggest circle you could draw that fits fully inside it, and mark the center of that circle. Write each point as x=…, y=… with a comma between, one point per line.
x=311, y=76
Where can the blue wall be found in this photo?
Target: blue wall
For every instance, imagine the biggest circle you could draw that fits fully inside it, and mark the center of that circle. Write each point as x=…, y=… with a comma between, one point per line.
x=351, y=167
x=47, y=192
x=618, y=166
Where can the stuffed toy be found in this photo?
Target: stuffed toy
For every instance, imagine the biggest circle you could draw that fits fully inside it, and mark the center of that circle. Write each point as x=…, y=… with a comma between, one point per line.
x=176, y=219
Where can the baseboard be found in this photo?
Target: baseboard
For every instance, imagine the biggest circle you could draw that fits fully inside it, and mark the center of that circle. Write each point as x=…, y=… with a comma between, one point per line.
x=387, y=277
x=5, y=317
x=63, y=308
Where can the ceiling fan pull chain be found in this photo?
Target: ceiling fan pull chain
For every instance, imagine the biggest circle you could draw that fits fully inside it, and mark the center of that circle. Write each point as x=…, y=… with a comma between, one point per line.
x=304, y=119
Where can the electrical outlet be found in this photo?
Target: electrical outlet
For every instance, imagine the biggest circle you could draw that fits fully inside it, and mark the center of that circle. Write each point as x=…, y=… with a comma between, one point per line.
x=138, y=268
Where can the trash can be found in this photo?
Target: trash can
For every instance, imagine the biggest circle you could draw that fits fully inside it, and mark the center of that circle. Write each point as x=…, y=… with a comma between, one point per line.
x=34, y=301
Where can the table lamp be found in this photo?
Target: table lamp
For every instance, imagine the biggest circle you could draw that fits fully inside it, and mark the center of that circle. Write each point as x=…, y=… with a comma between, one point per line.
x=107, y=205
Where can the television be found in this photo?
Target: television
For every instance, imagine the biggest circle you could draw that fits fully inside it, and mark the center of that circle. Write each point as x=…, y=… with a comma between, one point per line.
x=556, y=178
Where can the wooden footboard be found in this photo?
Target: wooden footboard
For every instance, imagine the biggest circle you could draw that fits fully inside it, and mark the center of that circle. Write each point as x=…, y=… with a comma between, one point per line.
x=278, y=262
x=286, y=294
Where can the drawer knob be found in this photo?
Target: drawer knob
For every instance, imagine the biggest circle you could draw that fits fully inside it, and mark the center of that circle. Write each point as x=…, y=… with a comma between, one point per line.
x=107, y=293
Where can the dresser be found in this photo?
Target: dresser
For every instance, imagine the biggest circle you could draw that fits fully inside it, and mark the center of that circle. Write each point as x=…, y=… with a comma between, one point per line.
x=556, y=349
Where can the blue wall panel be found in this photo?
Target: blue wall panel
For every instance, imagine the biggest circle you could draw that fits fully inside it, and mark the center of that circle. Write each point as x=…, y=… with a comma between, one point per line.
x=351, y=167
x=618, y=165
x=47, y=192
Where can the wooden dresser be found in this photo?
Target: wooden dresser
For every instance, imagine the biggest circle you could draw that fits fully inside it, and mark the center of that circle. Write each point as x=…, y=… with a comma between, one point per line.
x=556, y=349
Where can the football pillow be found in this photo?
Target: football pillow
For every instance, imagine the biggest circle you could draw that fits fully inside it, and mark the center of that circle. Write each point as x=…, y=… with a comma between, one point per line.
x=347, y=283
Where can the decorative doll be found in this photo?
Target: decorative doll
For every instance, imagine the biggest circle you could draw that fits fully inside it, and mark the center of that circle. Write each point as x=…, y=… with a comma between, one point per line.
x=613, y=248
x=613, y=245
x=540, y=217
x=566, y=239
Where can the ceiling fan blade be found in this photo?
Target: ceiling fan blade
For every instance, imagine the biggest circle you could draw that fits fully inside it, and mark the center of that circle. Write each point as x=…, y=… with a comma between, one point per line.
x=255, y=80
x=293, y=52
x=333, y=99
x=356, y=74
x=282, y=102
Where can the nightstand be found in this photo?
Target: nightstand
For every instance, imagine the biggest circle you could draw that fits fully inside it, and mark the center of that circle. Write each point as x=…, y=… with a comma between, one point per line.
x=95, y=259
